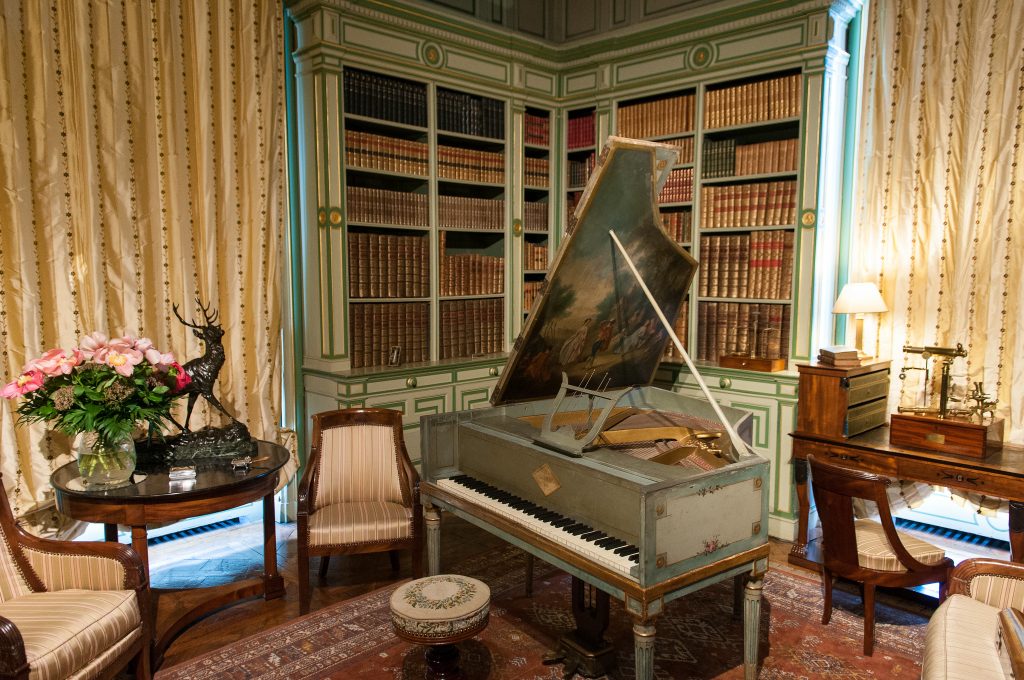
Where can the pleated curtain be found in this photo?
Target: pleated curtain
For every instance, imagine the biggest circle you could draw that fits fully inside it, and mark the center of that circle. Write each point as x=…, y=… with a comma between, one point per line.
x=939, y=211
x=142, y=164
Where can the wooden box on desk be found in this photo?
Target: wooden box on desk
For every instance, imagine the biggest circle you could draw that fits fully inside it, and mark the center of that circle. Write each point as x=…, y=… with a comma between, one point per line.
x=946, y=435
x=842, y=402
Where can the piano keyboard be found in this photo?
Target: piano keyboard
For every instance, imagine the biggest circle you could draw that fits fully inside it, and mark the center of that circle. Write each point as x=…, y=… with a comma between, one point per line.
x=597, y=546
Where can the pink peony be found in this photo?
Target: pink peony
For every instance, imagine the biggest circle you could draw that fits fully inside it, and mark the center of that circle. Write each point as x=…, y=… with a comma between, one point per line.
x=120, y=356
x=160, y=362
x=181, y=378
x=58, y=361
x=142, y=344
x=92, y=343
x=28, y=381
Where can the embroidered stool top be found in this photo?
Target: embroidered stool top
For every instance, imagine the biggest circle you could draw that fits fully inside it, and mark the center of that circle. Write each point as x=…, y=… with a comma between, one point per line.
x=440, y=609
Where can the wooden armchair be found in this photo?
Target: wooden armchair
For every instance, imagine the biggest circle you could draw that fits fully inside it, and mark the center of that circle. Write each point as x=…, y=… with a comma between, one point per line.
x=70, y=609
x=359, y=492
x=863, y=550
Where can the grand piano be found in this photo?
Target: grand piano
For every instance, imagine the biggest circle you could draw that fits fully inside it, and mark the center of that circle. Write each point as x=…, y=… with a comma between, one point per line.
x=639, y=493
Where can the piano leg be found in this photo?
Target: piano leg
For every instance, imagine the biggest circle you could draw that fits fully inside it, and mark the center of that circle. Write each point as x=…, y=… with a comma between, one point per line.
x=643, y=642
x=751, y=625
x=432, y=519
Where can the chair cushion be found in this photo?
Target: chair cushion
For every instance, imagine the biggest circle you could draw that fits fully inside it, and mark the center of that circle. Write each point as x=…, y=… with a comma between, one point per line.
x=441, y=608
x=66, y=630
x=960, y=643
x=874, y=551
x=358, y=463
x=362, y=522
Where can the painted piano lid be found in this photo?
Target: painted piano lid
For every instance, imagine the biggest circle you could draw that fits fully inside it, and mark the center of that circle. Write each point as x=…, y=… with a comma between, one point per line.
x=593, y=321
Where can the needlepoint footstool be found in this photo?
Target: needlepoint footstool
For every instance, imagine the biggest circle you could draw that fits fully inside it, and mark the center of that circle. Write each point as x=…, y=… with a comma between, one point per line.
x=440, y=611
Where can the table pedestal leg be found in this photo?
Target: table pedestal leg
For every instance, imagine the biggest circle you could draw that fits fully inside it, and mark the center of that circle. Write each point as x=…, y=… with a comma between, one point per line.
x=432, y=519
x=273, y=583
x=140, y=541
x=751, y=626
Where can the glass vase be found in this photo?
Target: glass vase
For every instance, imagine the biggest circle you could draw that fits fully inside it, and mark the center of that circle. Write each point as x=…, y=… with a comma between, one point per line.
x=105, y=464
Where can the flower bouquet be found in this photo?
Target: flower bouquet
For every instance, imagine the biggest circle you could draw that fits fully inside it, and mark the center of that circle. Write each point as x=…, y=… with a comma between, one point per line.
x=103, y=389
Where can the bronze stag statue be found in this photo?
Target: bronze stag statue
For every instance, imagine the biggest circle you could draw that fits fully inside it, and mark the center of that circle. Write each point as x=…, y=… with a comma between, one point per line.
x=205, y=369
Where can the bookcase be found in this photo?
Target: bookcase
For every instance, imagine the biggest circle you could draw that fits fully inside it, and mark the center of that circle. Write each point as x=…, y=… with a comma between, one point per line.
x=439, y=161
x=538, y=245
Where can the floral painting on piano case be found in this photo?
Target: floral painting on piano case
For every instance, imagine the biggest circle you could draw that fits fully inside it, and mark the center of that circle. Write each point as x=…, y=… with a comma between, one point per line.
x=593, y=321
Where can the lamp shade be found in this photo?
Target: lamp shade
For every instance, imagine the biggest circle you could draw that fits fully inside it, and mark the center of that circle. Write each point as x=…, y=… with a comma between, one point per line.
x=859, y=298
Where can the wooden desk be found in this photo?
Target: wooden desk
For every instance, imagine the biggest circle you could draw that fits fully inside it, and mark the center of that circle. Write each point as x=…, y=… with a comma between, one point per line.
x=155, y=499
x=1000, y=475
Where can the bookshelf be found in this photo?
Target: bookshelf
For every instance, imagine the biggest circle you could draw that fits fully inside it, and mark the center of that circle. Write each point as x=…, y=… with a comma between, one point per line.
x=581, y=157
x=537, y=180
x=749, y=145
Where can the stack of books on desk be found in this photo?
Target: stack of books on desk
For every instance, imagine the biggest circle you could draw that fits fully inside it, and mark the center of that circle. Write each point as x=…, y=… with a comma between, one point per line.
x=840, y=356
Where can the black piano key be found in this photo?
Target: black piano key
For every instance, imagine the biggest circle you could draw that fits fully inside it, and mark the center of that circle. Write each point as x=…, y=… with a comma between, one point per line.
x=564, y=522
x=635, y=559
x=577, y=529
x=593, y=536
x=615, y=543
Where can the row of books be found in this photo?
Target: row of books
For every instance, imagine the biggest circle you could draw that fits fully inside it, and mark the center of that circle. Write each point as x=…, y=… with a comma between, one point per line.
x=536, y=172
x=755, y=204
x=531, y=291
x=678, y=188
x=384, y=206
x=727, y=158
x=471, y=274
x=537, y=129
x=535, y=255
x=380, y=152
x=470, y=114
x=755, y=265
x=535, y=216
x=580, y=131
x=467, y=212
x=572, y=201
x=375, y=328
x=388, y=265
x=840, y=356
x=756, y=102
x=680, y=327
x=386, y=98
x=678, y=225
x=685, y=146
x=742, y=328
x=471, y=327
x=664, y=116
x=579, y=169
x=472, y=165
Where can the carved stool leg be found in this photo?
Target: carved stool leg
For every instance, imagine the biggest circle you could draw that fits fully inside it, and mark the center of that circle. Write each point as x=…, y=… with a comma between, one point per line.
x=643, y=641
x=751, y=626
x=432, y=520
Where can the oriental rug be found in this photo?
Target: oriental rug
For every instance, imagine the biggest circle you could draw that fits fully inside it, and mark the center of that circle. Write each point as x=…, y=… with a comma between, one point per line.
x=697, y=637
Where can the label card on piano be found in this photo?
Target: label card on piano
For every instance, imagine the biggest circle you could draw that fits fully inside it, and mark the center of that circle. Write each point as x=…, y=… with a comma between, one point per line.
x=546, y=479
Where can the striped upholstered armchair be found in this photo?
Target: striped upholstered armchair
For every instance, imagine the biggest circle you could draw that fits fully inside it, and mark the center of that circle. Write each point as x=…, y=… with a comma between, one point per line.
x=359, y=492
x=69, y=610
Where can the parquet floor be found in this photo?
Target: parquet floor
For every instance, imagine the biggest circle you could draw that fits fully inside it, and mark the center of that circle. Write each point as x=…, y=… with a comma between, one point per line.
x=235, y=552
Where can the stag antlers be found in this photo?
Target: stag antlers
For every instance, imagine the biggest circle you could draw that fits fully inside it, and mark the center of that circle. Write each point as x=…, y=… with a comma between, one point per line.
x=211, y=319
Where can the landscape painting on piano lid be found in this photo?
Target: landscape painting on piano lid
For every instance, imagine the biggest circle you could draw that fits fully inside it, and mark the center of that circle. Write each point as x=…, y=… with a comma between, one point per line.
x=593, y=321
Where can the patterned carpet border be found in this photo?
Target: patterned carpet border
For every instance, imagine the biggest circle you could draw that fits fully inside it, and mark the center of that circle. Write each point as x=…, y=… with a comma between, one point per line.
x=697, y=636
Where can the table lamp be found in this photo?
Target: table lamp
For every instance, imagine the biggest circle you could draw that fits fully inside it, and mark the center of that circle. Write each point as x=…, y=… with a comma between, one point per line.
x=859, y=299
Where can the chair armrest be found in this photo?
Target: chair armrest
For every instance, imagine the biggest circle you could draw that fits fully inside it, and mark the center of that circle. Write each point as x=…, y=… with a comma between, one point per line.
x=61, y=565
x=306, y=497
x=13, y=662
x=997, y=583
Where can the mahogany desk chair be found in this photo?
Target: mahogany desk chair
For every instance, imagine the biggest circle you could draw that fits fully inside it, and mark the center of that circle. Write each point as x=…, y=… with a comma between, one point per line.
x=359, y=492
x=863, y=550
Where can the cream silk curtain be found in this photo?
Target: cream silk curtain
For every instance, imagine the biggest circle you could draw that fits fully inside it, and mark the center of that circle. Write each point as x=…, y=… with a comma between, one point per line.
x=939, y=218
x=142, y=163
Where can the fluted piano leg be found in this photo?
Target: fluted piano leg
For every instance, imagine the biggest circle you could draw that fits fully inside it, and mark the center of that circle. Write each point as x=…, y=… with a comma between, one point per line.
x=432, y=519
x=643, y=637
x=751, y=625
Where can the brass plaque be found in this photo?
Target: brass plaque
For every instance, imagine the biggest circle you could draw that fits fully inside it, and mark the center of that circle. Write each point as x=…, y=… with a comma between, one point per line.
x=546, y=479
x=935, y=438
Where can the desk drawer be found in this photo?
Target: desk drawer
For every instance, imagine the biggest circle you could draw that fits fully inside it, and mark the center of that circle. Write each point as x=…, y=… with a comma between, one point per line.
x=838, y=455
x=970, y=480
x=862, y=388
